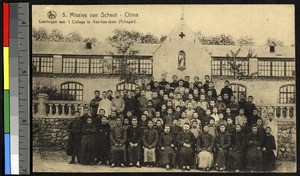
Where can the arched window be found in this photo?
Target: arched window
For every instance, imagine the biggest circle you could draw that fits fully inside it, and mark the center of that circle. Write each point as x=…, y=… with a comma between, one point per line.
x=126, y=86
x=72, y=88
x=287, y=94
x=237, y=90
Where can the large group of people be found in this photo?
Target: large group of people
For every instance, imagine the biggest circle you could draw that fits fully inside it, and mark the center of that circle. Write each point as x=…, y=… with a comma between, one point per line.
x=180, y=124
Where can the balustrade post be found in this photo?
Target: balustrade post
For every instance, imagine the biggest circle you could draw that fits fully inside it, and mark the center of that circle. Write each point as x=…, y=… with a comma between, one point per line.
x=63, y=110
x=70, y=110
x=42, y=100
x=50, y=110
x=56, y=109
x=288, y=113
x=281, y=112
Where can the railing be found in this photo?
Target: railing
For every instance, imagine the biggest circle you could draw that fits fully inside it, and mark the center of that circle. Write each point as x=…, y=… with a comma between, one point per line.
x=50, y=108
x=42, y=107
x=281, y=112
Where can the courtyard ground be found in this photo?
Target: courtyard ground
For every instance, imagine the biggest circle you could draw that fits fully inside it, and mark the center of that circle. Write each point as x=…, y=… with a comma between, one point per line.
x=58, y=162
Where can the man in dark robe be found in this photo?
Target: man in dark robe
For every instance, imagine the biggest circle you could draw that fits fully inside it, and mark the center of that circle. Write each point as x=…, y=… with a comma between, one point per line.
x=134, y=140
x=226, y=89
x=95, y=102
x=110, y=95
x=163, y=81
x=236, y=150
x=212, y=89
x=205, y=146
x=103, y=136
x=254, y=117
x=88, y=143
x=85, y=115
x=234, y=106
x=150, y=140
x=254, y=153
x=129, y=103
x=166, y=147
x=186, y=81
x=186, y=146
x=175, y=129
x=269, y=148
x=242, y=101
x=174, y=84
x=75, y=134
x=223, y=143
x=250, y=106
x=118, y=138
x=226, y=100
x=207, y=81
x=155, y=101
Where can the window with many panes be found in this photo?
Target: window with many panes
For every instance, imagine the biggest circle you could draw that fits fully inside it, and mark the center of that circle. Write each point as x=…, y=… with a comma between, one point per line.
x=287, y=94
x=76, y=65
x=223, y=68
x=42, y=64
x=137, y=66
x=97, y=65
x=145, y=66
x=74, y=89
x=276, y=68
x=237, y=90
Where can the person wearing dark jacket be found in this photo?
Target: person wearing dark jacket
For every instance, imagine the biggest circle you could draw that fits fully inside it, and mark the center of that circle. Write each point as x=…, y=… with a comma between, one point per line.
x=85, y=116
x=95, y=102
x=75, y=134
x=134, y=140
x=186, y=146
x=118, y=139
x=88, y=143
x=254, y=153
x=223, y=143
x=226, y=89
x=205, y=146
x=103, y=136
x=269, y=148
x=150, y=140
x=236, y=150
x=166, y=147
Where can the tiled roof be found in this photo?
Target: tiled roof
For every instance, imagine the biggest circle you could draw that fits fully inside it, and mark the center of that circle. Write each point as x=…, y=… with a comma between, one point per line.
x=78, y=48
x=259, y=51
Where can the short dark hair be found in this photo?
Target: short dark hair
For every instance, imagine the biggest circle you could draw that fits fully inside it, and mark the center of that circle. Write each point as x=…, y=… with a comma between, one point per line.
x=96, y=91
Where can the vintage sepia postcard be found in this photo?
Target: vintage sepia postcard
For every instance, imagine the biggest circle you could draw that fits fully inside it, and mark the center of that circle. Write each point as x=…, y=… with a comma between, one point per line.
x=163, y=88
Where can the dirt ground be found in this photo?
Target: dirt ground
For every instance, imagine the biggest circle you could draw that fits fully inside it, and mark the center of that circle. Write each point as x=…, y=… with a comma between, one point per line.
x=58, y=162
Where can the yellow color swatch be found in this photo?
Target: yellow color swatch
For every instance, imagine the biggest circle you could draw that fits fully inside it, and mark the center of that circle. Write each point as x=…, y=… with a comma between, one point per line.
x=6, y=67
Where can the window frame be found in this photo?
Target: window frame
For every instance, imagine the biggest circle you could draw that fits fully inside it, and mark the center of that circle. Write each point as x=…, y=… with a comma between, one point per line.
x=139, y=68
x=225, y=60
x=40, y=63
x=238, y=93
x=286, y=94
x=271, y=74
x=68, y=89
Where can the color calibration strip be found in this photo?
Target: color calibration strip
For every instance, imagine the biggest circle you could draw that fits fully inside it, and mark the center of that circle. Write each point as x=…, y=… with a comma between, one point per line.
x=6, y=73
x=16, y=88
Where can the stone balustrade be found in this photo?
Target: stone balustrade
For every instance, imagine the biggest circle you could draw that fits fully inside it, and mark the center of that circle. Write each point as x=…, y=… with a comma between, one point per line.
x=43, y=108
x=281, y=112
